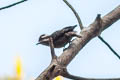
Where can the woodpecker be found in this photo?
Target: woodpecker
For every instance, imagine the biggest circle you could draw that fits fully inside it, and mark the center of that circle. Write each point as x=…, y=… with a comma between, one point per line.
x=60, y=37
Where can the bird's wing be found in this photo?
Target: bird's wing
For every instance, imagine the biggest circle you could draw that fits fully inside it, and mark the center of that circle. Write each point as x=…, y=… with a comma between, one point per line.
x=69, y=28
x=58, y=34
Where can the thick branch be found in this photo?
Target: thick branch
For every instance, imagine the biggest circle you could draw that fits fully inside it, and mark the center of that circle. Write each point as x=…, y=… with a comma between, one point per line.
x=87, y=34
x=111, y=17
x=81, y=26
x=11, y=5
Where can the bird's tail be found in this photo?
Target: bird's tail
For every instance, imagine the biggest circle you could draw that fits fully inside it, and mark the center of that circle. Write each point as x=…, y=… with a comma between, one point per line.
x=74, y=26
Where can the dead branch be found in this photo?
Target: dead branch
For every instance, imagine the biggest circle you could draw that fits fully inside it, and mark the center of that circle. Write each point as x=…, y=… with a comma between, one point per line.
x=59, y=67
x=87, y=34
x=81, y=26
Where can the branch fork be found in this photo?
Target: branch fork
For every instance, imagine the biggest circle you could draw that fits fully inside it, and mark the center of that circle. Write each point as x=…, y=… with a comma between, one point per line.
x=58, y=64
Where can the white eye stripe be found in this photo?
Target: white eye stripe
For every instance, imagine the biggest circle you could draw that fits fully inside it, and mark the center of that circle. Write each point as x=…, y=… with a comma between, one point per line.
x=43, y=36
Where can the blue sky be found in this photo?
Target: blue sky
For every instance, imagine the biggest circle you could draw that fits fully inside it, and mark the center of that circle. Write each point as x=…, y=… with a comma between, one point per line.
x=22, y=25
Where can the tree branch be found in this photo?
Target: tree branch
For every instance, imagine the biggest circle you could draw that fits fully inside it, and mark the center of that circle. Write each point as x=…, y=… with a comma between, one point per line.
x=52, y=48
x=11, y=5
x=115, y=53
x=75, y=13
x=81, y=26
x=87, y=34
x=73, y=77
x=77, y=44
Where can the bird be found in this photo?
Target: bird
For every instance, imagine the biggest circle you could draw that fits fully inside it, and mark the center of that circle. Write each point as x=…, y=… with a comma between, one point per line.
x=60, y=37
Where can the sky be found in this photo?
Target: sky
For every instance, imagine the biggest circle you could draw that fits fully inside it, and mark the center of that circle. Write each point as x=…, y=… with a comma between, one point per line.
x=22, y=25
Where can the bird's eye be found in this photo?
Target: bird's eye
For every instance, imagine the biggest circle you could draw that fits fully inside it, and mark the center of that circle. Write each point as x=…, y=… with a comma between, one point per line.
x=42, y=36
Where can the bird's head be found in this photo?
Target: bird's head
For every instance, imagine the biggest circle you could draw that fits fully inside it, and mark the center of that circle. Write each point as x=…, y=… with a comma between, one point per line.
x=43, y=39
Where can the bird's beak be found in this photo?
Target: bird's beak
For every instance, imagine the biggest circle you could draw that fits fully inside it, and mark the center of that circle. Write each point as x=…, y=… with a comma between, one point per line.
x=42, y=41
x=37, y=43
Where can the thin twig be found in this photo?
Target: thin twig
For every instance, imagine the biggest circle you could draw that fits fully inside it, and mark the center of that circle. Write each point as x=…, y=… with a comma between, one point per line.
x=52, y=49
x=109, y=46
x=73, y=77
x=75, y=13
x=11, y=5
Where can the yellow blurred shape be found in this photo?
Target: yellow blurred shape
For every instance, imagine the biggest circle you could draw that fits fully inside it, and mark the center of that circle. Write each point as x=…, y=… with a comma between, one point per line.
x=58, y=78
x=18, y=68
